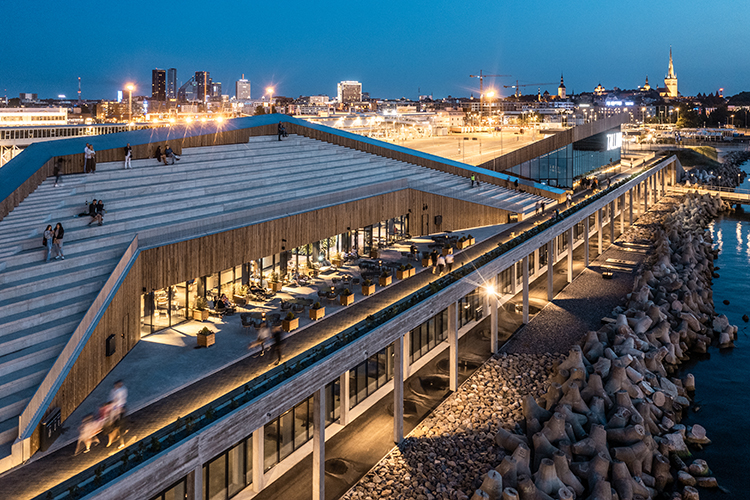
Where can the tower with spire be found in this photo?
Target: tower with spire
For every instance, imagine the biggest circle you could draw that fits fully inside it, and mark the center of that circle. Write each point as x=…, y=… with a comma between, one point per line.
x=561, y=93
x=670, y=81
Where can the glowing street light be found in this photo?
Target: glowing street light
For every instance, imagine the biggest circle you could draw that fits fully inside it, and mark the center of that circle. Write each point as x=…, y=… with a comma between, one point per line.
x=269, y=91
x=130, y=87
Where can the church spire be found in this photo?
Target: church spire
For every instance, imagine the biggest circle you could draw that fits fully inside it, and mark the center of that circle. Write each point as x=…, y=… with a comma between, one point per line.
x=671, y=65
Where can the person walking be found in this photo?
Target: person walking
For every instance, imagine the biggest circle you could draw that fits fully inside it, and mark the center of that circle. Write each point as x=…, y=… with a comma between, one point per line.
x=86, y=158
x=92, y=159
x=47, y=240
x=473, y=179
x=128, y=156
x=449, y=261
x=87, y=434
x=433, y=260
x=440, y=264
x=568, y=200
x=277, y=344
x=57, y=172
x=542, y=208
x=536, y=208
x=57, y=241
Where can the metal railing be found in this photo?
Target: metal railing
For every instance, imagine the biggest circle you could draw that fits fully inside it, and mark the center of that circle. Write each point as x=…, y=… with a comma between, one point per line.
x=136, y=454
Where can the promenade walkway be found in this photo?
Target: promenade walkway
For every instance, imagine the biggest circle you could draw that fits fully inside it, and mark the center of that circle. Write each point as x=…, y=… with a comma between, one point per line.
x=47, y=470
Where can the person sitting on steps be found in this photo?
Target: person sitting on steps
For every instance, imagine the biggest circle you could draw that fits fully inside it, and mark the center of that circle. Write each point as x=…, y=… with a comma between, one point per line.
x=170, y=154
x=161, y=157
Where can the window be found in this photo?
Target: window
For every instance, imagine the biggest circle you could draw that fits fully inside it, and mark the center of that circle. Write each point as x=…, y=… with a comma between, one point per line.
x=177, y=491
x=370, y=375
x=429, y=334
x=229, y=473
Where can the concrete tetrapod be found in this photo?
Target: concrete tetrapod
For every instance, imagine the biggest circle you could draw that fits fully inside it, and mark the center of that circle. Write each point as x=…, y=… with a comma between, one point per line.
x=565, y=474
x=546, y=479
x=493, y=485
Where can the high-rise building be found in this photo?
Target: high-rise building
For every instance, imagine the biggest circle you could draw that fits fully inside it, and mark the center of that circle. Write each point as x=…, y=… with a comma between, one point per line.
x=159, y=85
x=203, y=82
x=215, y=90
x=242, y=89
x=670, y=82
x=172, y=83
x=349, y=91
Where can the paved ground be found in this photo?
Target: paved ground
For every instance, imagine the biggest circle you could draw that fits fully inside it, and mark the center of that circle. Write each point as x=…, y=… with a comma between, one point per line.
x=48, y=470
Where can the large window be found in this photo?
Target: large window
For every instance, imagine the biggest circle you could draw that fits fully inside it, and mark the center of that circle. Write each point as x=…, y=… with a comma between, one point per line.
x=426, y=336
x=506, y=280
x=229, y=473
x=175, y=492
x=370, y=375
x=470, y=308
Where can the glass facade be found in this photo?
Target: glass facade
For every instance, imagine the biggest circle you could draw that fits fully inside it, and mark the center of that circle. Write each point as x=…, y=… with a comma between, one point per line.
x=470, y=308
x=370, y=375
x=177, y=491
x=426, y=336
x=230, y=472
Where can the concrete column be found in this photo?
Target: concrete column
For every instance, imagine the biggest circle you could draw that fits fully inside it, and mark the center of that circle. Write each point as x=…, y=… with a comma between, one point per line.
x=570, y=255
x=398, y=390
x=493, y=313
x=621, y=202
x=536, y=261
x=611, y=222
x=630, y=207
x=586, y=230
x=407, y=354
x=513, y=279
x=453, y=346
x=344, y=398
x=550, y=268
x=198, y=482
x=258, y=459
x=645, y=196
x=319, y=445
x=526, y=290
x=663, y=182
x=599, y=229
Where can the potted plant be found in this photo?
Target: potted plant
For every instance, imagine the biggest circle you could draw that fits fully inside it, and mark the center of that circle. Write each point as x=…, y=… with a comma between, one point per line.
x=410, y=269
x=447, y=249
x=276, y=283
x=290, y=322
x=385, y=278
x=317, y=311
x=368, y=288
x=402, y=273
x=425, y=259
x=346, y=297
x=200, y=312
x=206, y=337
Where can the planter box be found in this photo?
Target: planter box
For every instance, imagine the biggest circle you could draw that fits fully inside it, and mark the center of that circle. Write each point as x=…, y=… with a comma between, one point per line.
x=463, y=244
x=276, y=286
x=337, y=262
x=472, y=241
x=406, y=273
x=316, y=314
x=200, y=315
x=446, y=251
x=385, y=281
x=368, y=290
x=426, y=262
x=412, y=272
x=290, y=324
x=206, y=340
x=373, y=254
x=347, y=299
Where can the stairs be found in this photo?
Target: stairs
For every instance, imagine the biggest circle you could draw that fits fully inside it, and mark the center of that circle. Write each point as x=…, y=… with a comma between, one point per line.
x=41, y=303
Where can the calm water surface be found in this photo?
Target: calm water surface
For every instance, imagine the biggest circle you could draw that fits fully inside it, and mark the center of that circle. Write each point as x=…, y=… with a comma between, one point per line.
x=722, y=387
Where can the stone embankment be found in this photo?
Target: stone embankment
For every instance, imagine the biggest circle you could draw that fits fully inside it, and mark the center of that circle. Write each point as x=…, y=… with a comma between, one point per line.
x=601, y=423
x=728, y=174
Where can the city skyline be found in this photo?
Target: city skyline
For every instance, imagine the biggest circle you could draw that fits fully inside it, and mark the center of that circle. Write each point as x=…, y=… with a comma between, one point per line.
x=403, y=50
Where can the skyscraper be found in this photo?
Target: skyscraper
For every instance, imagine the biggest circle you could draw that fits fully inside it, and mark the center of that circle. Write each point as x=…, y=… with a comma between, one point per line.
x=172, y=83
x=242, y=89
x=159, y=85
x=203, y=82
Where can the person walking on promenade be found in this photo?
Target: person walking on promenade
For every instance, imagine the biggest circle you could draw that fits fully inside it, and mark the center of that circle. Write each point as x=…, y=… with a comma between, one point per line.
x=449, y=261
x=568, y=200
x=57, y=172
x=47, y=240
x=128, y=156
x=86, y=158
x=515, y=184
x=87, y=434
x=542, y=208
x=536, y=208
x=277, y=344
x=57, y=241
x=473, y=179
x=433, y=261
x=440, y=265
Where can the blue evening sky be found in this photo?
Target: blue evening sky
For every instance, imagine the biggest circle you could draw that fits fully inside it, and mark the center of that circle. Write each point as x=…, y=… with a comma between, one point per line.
x=395, y=48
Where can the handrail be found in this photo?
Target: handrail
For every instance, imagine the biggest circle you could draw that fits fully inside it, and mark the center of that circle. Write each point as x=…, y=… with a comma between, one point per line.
x=158, y=442
x=41, y=399
x=708, y=189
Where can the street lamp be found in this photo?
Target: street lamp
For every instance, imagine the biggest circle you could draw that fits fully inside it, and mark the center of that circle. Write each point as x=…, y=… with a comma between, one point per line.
x=269, y=91
x=130, y=87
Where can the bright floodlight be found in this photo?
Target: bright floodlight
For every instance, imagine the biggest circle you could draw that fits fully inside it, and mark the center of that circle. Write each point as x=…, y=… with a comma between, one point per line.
x=269, y=90
x=491, y=93
x=130, y=87
x=219, y=119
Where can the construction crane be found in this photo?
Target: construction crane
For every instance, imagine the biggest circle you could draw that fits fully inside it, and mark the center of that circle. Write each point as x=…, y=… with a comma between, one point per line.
x=517, y=86
x=481, y=77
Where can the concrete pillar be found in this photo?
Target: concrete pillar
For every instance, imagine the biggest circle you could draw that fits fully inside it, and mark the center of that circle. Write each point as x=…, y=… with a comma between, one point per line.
x=319, y=445
x=344, y=398
x=513, y=279
x=259, y=455
x=536, y=261
x=493, y=313
x=197, y=485
x=550, y=268
x=622, y=213
x=453, y=346
x=611, y=222
x=398, y=390
x=645, y=196
x=570, y=255
x=407, y=355
x=526, y=290
x=630, y=207
x=663, y=182
x=599, y=230
x=586, y=230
